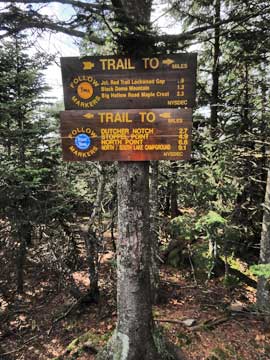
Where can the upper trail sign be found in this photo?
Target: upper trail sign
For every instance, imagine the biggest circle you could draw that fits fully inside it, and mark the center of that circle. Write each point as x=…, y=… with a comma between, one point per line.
x=110, y=82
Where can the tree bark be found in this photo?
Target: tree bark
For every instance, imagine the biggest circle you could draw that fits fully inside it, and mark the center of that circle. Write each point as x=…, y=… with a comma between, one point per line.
x=245, y=113
x=215, y=71
x=173, y=191
x=24, y=238
x=134, y=305
x=263, y=290
x=154, y=226
x=92, y=238
x=133, y=338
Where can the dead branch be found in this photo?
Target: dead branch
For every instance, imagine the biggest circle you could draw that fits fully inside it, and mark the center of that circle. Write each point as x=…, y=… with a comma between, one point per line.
x=171, y=321
x=63, y=316
x=210, y=323
x=180, y=286
x=20, y=348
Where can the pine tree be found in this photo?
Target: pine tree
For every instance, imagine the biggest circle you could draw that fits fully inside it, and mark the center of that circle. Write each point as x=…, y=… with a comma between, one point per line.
x=22, y=128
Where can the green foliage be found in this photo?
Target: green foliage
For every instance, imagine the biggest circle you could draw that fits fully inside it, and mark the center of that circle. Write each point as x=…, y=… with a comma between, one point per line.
x=77, y=347
x=183, y=339
x=231, y=281
x=212, y=219
x=201, y=260
x=175, y=258
x=24, y=166
x=190, y=227
x=212, y=224
x=183, y=227
x=261, y=270
x=35, y=185
x=198, y=232
x=228, y=168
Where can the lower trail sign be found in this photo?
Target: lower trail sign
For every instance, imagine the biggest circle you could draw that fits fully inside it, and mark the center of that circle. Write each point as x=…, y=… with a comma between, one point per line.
x=126, y=135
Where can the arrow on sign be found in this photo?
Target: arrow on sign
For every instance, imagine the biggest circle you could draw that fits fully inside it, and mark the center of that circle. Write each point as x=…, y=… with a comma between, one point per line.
x=88, y=116
x=165, y=115
x=168, y=61
x=88, y=65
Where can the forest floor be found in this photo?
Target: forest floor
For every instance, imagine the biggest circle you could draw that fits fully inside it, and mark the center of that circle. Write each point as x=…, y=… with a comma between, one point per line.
x=44, y=323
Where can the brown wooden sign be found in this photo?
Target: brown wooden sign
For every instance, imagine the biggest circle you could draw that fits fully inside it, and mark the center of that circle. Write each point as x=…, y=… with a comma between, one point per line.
x=126, y=135
x=110, y=82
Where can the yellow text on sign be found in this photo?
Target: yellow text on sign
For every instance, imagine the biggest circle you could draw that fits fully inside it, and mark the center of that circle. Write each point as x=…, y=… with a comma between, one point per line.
x=126, y=63
x=124, y=117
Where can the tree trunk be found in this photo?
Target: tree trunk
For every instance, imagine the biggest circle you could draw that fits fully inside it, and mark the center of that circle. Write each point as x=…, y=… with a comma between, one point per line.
x=133, y=338
x=24, y=237
x=92, y=238
x=215, y=72
x=154, y=226
x=167, y=199
x=246, y=119
x=134, y=305
x=173, y=191
x=263, y=290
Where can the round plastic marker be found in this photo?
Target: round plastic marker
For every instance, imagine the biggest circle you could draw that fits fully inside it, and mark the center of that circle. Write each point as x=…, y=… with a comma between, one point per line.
x=82, y=141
